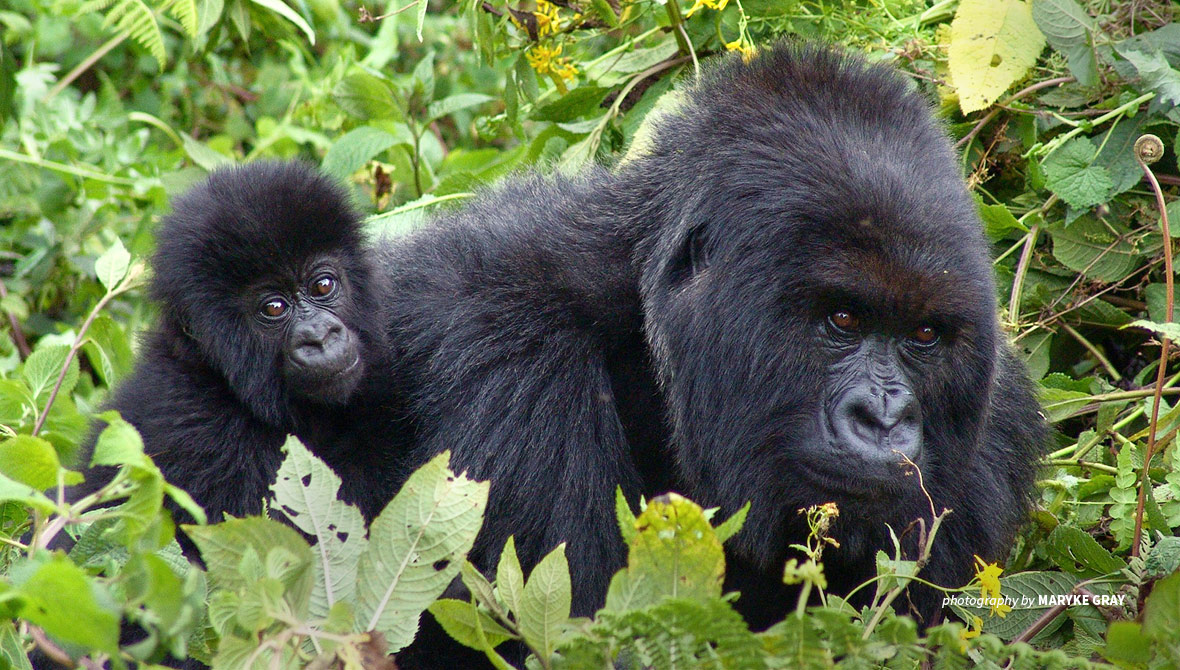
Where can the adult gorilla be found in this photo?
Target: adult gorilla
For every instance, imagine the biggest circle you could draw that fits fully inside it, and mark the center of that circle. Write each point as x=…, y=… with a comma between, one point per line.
x=784, y=295
x=268, y=325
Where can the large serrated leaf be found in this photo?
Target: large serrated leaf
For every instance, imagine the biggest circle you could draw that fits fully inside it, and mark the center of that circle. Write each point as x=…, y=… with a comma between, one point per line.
x=1076, y=552
x=67, y=603
x=1024, y=590
x=1071, y=174
x=993, y=43
x=305, y=490
x=112, y=265
x=30, y=461
x=1068, y=29
x=416, y=547
x=43, y=368
x=366, y=96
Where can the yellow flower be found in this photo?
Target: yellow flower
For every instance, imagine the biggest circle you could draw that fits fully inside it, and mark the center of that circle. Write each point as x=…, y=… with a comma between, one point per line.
x=711, y=4
x=547, y=19
x=548, y=60
x=739, y=45
x=973, y=630
x=988, y=575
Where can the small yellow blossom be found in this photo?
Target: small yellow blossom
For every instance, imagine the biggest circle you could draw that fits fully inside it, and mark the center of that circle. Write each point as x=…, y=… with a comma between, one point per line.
x=547, y=19
x=740, y=45
x=973, y=630
x=988, y=575
x=999, y=607
x=548, y=60
x=711, y=4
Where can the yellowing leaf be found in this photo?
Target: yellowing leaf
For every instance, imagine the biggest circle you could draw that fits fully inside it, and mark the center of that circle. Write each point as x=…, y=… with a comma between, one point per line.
x=993, y=43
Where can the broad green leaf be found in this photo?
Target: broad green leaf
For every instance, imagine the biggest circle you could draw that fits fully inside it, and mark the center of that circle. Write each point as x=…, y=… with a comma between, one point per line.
x=12, y=648
x=280, y=8
x=453, y=103
x=16, y=402
x=1068, y=29
x=205, y=157
x=416, y=547
x=998, y=221
x=423, y=77
x=305, y=490
x=624, y=516
x=574, y=105
x=1161, y=613
x=460, y=620
x=993, y=44
x=350, y=153
x=545, y=602
x=67, y=603
x=1158, y=75
x=674, y=554
x=112, y=265
x=1101, y=252
x=1071, y=174
x=43, y=368
x=1023, y=590
x=1059, y=404
x=32, y=461
x=118, y=444
x=1127, y=645
x=366, y=96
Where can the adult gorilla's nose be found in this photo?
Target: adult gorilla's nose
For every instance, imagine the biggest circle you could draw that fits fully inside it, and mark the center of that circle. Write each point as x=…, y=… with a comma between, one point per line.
x=876, y=421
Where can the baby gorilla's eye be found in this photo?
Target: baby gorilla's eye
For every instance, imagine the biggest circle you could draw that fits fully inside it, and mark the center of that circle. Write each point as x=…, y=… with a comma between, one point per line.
x=274, y=308
x=844, y=320
x=924, y=335
x=323, y=286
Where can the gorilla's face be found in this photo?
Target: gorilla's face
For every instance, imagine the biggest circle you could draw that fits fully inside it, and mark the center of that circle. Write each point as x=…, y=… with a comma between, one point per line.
x=302, y=317
x=843, y=345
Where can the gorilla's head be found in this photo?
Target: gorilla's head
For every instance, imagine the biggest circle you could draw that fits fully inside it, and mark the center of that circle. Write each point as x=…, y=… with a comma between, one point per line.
x=262, y=267
x=818, y=294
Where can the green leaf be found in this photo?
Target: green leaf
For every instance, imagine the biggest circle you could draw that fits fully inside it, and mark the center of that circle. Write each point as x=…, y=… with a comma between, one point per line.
x=1161, y=612
x=118, y=444
x=993, y=44
x=625, y=517
x=305, y=490
x=1126, y=644
x=1170, y=330
x=350, y=153
x=224, y=546
x=1070, y=173
x=24, y=494
x=416, y=547
x=134, y=17
x=112, y=265
x=208, y=14
x=998, y=221
x=108, y=349
x=574, y=105
x=366, y=97
x=545, y=603
x=67, y=603
x=1157, y=74
x=733, y=524
x=1077, y=552
x=280, y=8
x=453, y=103
x=205, y=157
x=1101, y=252
x=460, y=620
x=1023, y=590
x=423, y=77
x=675, y=554
x=1069, y=29
x=185, y=12
x=43, y=368
x=31, y=461
x=510, y=577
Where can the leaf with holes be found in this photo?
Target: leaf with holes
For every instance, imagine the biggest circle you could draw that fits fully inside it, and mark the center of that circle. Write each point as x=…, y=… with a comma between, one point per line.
x=416, y=547
x=993, y=44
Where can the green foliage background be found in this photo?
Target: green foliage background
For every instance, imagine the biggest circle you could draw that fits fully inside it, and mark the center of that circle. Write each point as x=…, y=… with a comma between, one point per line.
x=110, y=107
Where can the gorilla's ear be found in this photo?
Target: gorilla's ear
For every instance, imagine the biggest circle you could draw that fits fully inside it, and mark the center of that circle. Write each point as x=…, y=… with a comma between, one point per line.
x=691, y=257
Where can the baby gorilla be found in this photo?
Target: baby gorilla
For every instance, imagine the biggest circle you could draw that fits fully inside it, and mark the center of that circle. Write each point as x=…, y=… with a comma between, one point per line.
x=269, y=325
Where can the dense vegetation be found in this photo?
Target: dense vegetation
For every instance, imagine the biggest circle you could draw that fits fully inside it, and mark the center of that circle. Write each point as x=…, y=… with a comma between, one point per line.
x=108, y=108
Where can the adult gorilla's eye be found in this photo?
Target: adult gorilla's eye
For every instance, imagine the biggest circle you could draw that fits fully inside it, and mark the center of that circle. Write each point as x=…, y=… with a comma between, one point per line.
x=844, y=320
x=274, y=308
x=323, y=286
x=924, y=335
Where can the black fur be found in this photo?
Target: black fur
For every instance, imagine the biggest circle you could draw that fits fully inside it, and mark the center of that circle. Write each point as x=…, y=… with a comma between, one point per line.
x=666, y=326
